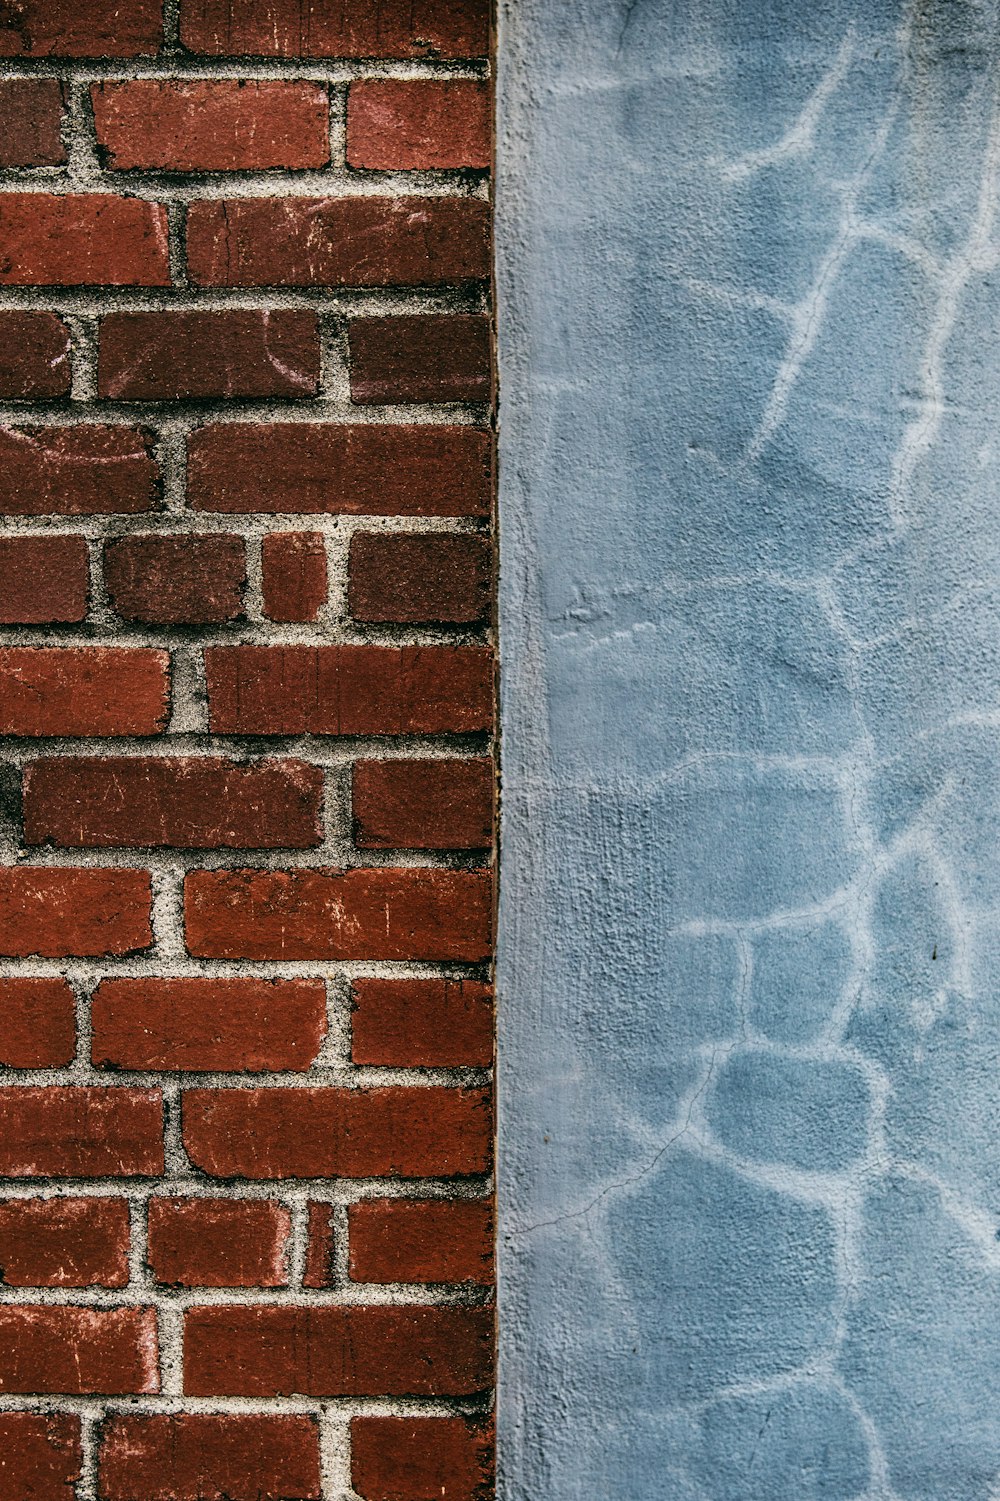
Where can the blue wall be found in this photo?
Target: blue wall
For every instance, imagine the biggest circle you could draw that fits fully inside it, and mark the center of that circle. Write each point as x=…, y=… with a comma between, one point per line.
x=750, y=962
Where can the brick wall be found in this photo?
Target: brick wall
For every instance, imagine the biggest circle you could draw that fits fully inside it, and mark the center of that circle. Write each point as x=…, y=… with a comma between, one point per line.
x=246, y=685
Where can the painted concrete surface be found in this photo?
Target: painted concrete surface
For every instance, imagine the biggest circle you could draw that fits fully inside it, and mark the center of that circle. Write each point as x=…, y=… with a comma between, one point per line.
x=750, y=966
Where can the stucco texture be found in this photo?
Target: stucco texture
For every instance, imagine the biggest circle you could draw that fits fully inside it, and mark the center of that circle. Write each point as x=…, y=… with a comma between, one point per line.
x=749, y=277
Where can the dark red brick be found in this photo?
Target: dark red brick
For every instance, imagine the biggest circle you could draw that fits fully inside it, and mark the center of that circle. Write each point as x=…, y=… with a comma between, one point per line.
x=176, y=580
x=423, y=804
x=173, y=356
x=76, y=471
x=34, y=356
x=212, y=125
x=405, y=123
x=81, y=28
x=429, y=357
x=294, y=575
x=112, y=1351
x=421, y=1459
x=87, y=690
x=59, y=913
x=320, y=1247
x=421, y=1240
x=37, y=1023
x=192, y=1457
x=270, y=1352
x=62, y=1131
x=40, y=1456
x=43, y=580
x=422, y=1023
x=408, y=577
x=218, y=1242
x=338, y=28
x=413, y=914
x=349, y=690
x=31, y=113
x=191, y=802
x=420, y=1132
x=64, y=1243
x=206, y=1023
x=332, y=469
x=82, y=239
x=337, y=242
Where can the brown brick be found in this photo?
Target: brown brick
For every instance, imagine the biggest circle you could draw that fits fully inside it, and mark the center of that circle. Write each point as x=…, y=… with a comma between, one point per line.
x=31, y=112
x=212, y=125
x=192, y=1457
x=212, y=1023
x=294, y=575
x=423, y=805
x=190, y=802
x=64, y=1242
x=320, y=1247
x=404, y=123
x=81, y=28
x=76, y=471
x=429, y=357
x=34, y=356
x=421, y=1240
x=88, y=690
x=40, y=1456
x=413, y=914
x=82, y=239
x=59, y=913
x=269, y=1352
x=176, y=580
x=422, y=1023
x=409, y=577
x=42, y=579
x=315, y=469
x=218, y=1242
x=338, y=28
x=337, y=242
x=37, y=1023
x=78, y=1350
x=349, y=690
x=419, y=1132
x=421, y=1459
x=173, y=356
x=57, y=1131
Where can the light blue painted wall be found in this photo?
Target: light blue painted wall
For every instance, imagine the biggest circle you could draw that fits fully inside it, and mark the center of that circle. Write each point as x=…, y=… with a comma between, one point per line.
x=750, y=962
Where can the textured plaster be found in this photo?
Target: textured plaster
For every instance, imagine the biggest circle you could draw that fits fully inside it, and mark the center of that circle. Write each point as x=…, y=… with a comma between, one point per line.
x=749, y=275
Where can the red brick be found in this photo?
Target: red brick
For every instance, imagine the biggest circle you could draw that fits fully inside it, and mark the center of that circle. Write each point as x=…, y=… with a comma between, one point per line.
x=338, y=28
x=76, y=471
x=57, y=1131
x=312, y=469
x=421, y=1240
x=337, y=242
x=422, y=1023
x=82, y=239
x=176, y=580
x=40, y=1456
x=428, y=805
x=212, y=125
x=421, y=1459
x=174, y=356
x=42, y=579
x=34, y=356
x=208, y=1458
x=419, y=1132
x=81, y=28
x=213, y=1023
x=218, y=1242
x=196, y=802
x=404, y=123
x=349, y=690
x=59, y=913
x=112, y=1351
x=92, y=690
x=31, y=113
x=429, y=357
x=320, y=1247
x=64, y=1242
x=294, y=575
x=409, y=577
x=37, y=1023
x=269, y=1352
x=390, y=914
